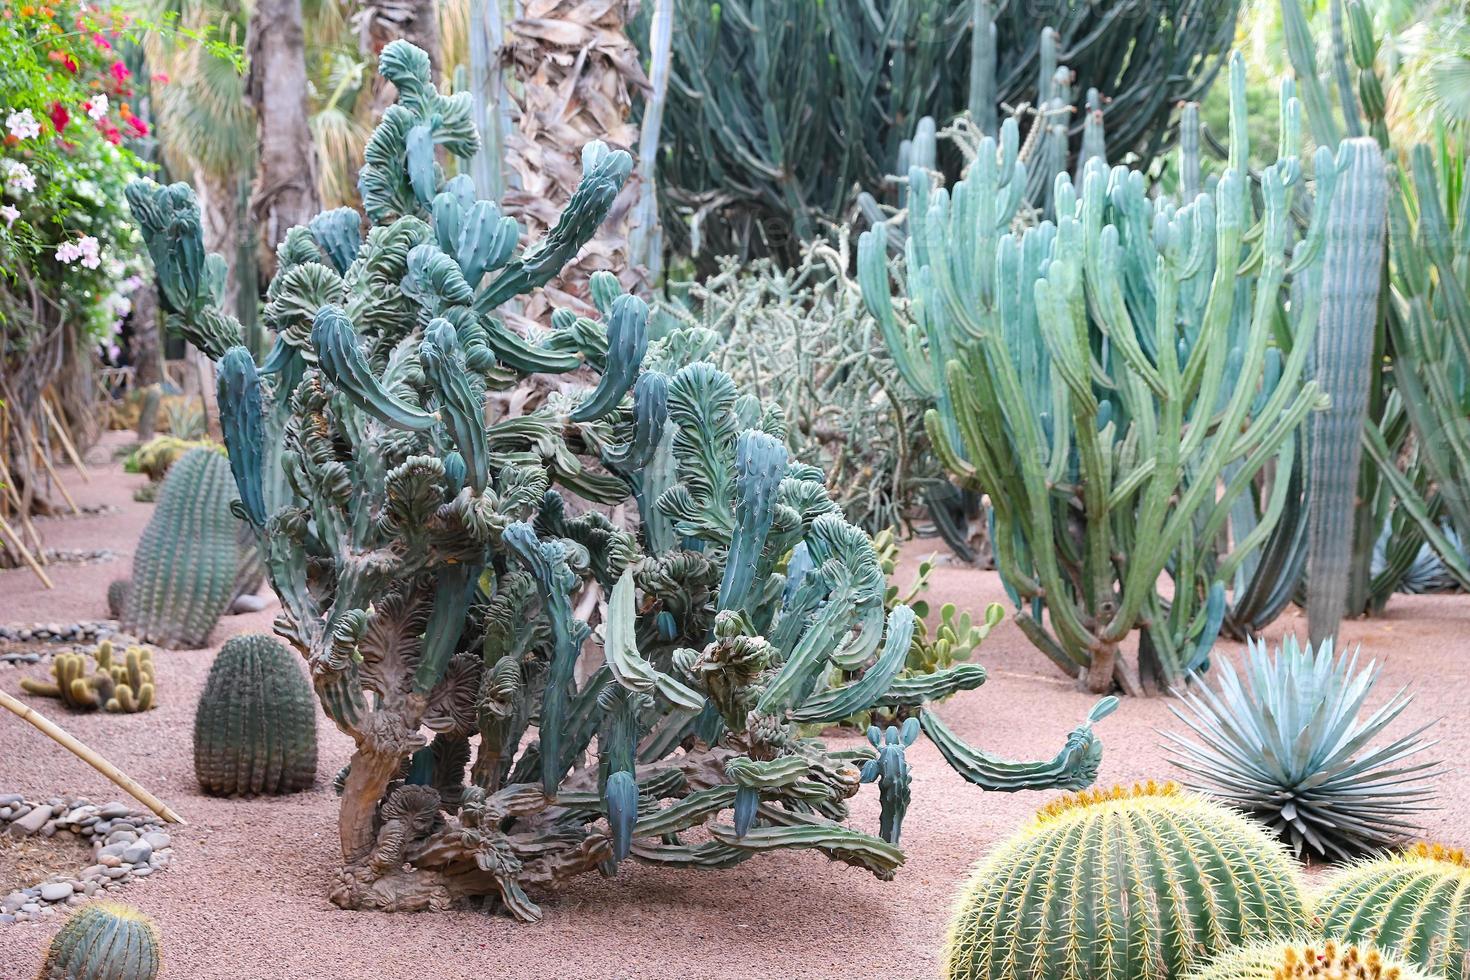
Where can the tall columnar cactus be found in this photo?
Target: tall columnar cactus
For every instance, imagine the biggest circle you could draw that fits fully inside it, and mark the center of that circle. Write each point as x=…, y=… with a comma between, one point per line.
x=1308, y=960
x=1343, y=366
x=431, y=571
x=1416, y=904
x=1138, y=884
x=103, y=941
x=185, y=567
x=1114, y=381
x=255, y=725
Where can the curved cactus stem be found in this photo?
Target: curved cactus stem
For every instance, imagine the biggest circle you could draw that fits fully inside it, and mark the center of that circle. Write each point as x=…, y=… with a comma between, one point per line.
x=243, y=424
x=628, y=667
x=832, y=706
x=343, y=363
x=460, y=403
x=760, y=463
x=839, y=843
x=1074, y=767
x=627, y=334
x=650, y=413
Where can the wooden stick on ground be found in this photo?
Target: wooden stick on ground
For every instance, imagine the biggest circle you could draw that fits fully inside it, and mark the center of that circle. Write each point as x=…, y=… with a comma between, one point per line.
x=25, y=553
x=35, y=444
x=90, y=757
x=59, y=427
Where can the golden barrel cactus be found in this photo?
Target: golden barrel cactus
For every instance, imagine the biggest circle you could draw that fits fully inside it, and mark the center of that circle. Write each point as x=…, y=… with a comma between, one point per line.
x=1308, y=960
x=1135, y=883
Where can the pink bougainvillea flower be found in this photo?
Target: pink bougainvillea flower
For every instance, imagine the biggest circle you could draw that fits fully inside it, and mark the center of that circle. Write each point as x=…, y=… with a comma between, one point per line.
x=9, y=213
x=59, y=116
x=64, y=60
x=161, y=77
x=101, y=42
x=119, y=71
x=138, y=126
x=68, y=252
x=96, y=106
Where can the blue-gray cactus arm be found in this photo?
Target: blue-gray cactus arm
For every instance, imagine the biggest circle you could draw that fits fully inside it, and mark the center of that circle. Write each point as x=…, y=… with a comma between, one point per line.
x=1074, y=767
x=547, y=564
x=343, y=363
x=830, y=707
x=760, y=462
x=627, y=336
x=453, y=590
x=242, y=420
x=618, y=748
x=339, y=233
x=650, y=413
x=460, y=406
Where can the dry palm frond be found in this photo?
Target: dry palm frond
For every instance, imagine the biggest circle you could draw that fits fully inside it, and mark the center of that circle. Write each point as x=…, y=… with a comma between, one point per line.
x=575, y=76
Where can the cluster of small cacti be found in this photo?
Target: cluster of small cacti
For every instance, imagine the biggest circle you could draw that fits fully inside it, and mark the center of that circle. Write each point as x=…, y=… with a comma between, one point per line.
x=255, y=725
x=154, y=457
x=188, y=560
x=1133, y=883
x=427, y=561
x=120, y=684
x=103, y=941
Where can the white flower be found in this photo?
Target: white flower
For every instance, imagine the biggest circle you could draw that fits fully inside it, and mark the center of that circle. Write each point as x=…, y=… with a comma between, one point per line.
x=23, y=125
x=97, y=108
x=68, y=252
x=9, y=213
x=18, y=178
x=90, y=252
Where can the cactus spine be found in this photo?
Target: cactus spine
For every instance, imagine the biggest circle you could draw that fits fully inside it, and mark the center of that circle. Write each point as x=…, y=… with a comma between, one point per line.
x=103, y=941
x=1133, y=884
x=185, y=568
x=255, y=726
x=1308, y=960
x=1416, y=903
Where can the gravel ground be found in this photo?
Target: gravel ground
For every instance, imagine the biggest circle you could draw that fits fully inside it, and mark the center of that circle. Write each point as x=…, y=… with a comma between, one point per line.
x=245, y=896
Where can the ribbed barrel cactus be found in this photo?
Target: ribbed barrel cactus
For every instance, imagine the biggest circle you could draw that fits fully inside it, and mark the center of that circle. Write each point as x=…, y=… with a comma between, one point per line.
x=1119, y=379
x=188, y=559
x=103, y=941
x=1139, y=883
x=1308, y=960
x=439, y=565
x=255, y=725
x=1415, y=903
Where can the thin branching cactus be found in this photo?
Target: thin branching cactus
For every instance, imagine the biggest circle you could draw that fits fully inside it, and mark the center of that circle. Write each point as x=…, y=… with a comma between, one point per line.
x=431, y=562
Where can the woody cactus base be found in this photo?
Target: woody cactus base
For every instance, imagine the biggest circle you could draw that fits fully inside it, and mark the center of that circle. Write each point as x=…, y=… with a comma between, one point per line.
x=430, y=569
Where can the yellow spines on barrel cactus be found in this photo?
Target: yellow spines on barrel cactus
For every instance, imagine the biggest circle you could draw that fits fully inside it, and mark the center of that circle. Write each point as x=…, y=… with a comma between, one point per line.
x=1308, y=960
x=1415, y=903
x=103, y=941
x=1133, y=883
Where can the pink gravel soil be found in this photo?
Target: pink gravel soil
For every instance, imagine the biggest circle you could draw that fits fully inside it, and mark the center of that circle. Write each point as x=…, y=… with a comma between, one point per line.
x=246, y=894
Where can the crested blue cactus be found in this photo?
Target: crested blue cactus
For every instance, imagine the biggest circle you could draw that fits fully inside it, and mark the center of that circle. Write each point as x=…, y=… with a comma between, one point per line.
x=431, y=571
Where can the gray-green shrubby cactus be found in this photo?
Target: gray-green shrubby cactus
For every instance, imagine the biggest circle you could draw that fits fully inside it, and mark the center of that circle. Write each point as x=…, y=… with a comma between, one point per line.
x=430, y=569
x=1114, y=381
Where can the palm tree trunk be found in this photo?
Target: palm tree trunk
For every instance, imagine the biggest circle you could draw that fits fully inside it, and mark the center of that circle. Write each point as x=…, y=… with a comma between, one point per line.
x=382, y=21
x=285, y=184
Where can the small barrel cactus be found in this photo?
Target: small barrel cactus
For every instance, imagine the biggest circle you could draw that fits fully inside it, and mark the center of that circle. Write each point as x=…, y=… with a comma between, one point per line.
x=1415, y=904
x=1309, y=961
x=103, y=941
x=255, y=727
x=1133, y=884
x=117, y=597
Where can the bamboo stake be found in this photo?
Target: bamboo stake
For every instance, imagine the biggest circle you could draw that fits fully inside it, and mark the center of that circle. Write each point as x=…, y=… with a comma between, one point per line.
x=25, y=553
x=91, y=757
x=59, y=428
x=35, y=445
x=20, y=511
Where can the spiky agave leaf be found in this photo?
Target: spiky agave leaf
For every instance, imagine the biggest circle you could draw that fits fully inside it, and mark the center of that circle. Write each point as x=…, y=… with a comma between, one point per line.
x=1287, y=741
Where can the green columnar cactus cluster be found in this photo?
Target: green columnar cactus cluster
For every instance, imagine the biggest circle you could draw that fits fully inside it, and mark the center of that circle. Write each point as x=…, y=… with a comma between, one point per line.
x=766, y=96
x=125, y=685
x=103, y=941
x=431, y=570
x=1308, y=960
x=1133, y=884
x=1116, y=380
x=255, y=724
x=1416, y=903
x=185, y=568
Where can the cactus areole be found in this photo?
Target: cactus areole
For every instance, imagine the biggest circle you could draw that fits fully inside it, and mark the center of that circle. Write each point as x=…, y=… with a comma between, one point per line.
x=438, y=582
